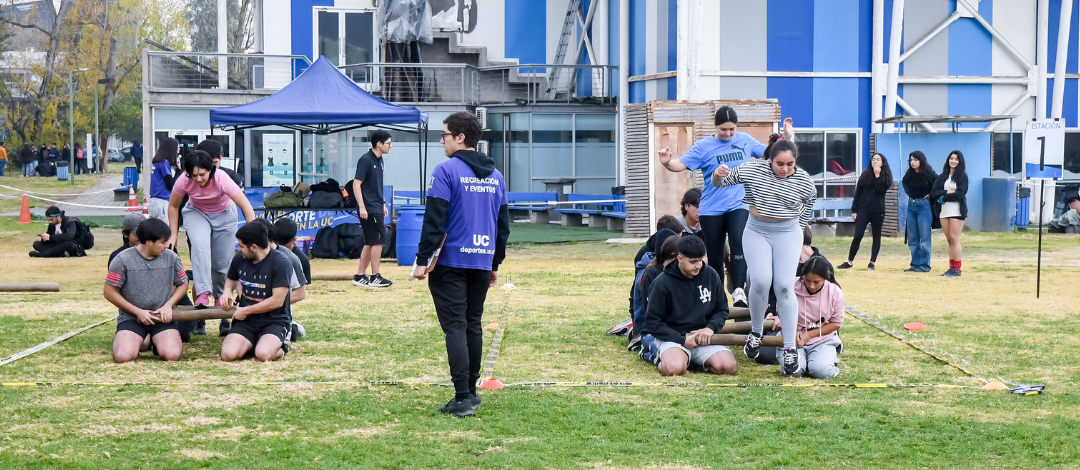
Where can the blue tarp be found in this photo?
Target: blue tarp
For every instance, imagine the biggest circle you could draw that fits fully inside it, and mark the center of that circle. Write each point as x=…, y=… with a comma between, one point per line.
x=322, y=95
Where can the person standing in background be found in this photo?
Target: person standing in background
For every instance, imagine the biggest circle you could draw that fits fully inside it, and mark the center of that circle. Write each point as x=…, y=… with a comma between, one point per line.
x=918, y=182
x=26, y=156
x=3, y=158
x=950, y=192
x=137, y=154
x=868, y=207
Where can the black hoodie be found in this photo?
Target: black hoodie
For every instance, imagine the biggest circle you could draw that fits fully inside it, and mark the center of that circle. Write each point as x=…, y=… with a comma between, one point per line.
x=680, y=304
x=437, y=210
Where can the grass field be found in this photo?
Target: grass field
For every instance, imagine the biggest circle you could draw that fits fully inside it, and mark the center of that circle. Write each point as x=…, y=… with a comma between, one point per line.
x=567, y=295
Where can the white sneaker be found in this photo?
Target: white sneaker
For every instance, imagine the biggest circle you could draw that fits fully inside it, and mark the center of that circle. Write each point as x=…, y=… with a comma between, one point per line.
x=738, y=298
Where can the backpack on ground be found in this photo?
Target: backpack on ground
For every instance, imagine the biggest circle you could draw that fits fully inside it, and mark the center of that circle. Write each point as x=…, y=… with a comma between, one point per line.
x=83, y=237
x=350, y=240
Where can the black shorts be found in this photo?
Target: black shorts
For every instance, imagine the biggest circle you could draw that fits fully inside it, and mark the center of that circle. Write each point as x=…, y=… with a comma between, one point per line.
x=183, y=327
x=374, y=229
x=253, y=328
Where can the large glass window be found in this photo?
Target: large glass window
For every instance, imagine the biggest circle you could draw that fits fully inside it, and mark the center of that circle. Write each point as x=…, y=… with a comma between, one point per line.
x=329, y=36
x=346, y=37
x=1002, y=158
x=553, y=146
x=594, y=153
x=1071, y=168
x=520, y=153
x=832, y=160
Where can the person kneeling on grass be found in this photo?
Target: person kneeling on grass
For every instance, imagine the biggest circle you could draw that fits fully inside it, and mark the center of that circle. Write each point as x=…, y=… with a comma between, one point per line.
x=686, y=306
x=263, y=317
x=145, y=283
x=821, y=313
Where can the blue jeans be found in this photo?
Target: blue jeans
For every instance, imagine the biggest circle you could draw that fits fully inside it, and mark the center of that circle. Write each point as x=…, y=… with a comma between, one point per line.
x=3, y=165
x=28, y=169
x=919, y=219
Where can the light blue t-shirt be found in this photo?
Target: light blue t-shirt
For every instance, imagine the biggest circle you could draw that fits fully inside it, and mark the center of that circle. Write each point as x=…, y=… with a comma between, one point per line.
x=707, y=155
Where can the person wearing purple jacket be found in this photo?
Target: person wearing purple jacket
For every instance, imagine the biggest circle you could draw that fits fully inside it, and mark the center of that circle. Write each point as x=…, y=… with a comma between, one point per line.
x=466, y=225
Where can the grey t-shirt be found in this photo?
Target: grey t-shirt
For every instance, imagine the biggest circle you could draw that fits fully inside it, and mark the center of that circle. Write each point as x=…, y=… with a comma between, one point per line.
x=297, y=279
x=146, y=283
x=686, y=227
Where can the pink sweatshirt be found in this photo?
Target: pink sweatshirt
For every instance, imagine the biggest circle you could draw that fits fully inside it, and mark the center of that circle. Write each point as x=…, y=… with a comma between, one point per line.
x=214, y=198
x=815, y=310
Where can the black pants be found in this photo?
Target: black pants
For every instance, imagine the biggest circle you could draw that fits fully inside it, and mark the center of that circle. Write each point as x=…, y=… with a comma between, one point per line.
x=57, y=249
x=728, y=226
x=876, y=220
x=459, y=296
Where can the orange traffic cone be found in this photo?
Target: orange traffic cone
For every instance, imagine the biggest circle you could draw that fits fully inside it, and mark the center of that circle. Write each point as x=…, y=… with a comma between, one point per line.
x=133, y=205
x=145, y=208
x=24, y=215
x=492, y=384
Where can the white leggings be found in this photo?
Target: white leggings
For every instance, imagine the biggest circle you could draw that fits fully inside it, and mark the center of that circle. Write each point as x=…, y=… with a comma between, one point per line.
x=772, y=256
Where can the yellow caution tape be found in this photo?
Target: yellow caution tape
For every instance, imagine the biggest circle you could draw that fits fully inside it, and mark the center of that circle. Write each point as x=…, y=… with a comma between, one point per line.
x=488, y=369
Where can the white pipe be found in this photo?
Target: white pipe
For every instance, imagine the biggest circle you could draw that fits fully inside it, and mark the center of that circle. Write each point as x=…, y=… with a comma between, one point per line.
x=624, y=83
x=1062, y=55
x=875, y=72
x=1023, y=96
x=223, y=45
x=965, y=80
x=925, y=39
x=685, y=52
x=911, y=111
x=1041, y=43
x=894, y=61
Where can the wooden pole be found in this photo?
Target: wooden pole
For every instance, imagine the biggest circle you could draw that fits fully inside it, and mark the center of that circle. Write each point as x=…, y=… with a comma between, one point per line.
x=743, y=327
x=331, y=277
x=738, y=312
x=739, y=340
x=190, y=313
x=29, y=287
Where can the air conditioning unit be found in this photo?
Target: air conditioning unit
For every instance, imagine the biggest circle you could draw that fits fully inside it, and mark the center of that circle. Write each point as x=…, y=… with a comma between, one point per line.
x=483, y=146
x=481, y=114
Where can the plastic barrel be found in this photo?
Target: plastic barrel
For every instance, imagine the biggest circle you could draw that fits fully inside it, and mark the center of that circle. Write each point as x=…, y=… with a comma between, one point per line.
x=999, y=204
x=62, y=173
x=409, y=223
x=1023, y=212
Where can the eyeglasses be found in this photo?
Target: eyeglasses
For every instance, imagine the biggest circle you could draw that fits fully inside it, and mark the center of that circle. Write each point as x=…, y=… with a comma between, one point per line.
x=447, y=134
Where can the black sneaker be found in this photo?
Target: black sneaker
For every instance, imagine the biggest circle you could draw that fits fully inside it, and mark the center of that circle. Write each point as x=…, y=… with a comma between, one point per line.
x=360, y=280
x=845, y=265
x=378, y=281
x=298, y=332
x=789, y=367
x=871, y=267
x=951, y=273
x=224, y=328
x=35, y=254
x=475, y=401
x=458, y=408
x=200, y=328
x=753, y=345
x=911, y=270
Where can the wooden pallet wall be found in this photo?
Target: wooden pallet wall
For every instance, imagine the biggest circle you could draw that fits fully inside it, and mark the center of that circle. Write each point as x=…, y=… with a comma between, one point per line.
x=637, y=171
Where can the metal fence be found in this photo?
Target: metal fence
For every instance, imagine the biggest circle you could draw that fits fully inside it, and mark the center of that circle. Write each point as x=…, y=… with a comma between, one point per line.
x=201, y=71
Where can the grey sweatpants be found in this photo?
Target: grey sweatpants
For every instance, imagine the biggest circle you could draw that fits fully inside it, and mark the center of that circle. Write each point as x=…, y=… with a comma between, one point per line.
x=772, y=256
x=819, y=359
x=213, y=244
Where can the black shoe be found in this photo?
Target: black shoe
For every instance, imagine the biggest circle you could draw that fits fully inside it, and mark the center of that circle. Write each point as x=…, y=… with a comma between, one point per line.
x=35, y=254
x=475, y=400
x=871, y=267
x=753, y=345
x=845, y=265
x=458, y=408
x=951, y=273
x=911, y=270
x=200, y=328
x=224, y=328
x=789, y=367
x=298, y=332
x=377, y=280
x=360, y=280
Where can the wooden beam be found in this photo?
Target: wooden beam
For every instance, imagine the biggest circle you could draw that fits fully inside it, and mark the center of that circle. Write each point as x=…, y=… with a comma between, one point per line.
x=29, y=287
x=743, y=327
x=331, y=277
x=190, y=313
x=739, y=340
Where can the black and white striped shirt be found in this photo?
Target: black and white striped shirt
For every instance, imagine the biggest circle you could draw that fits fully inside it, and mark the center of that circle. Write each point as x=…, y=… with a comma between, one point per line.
x=771, y=195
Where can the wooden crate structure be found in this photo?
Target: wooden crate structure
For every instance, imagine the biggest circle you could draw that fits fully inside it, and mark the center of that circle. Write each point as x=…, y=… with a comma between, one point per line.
x=653, y=191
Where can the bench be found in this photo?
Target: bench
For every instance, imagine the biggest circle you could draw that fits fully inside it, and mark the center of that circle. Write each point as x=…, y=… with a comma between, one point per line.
x=572, y=216
x=408, y=196
x=826, y=226
x=616, y=218
x=537, y=204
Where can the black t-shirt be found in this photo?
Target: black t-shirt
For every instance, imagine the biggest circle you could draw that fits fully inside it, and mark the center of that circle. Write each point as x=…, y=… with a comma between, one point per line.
x=304, y=262
x=369, y=170
x=258, y=280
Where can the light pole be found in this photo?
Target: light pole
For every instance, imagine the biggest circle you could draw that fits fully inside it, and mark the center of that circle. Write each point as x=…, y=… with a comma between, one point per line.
x=97, y=140
x=71, y=122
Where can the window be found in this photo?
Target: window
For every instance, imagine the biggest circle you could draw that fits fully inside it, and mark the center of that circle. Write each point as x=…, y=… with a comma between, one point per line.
x=346, y=37
x=1001, y=161
x=832, y=158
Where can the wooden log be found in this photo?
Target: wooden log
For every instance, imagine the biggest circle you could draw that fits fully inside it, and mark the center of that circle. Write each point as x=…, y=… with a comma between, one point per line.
x=738, y=313
x=190, y=313
x=739, y=340
x=743, y=327
x=29, y=287
x=331, y=277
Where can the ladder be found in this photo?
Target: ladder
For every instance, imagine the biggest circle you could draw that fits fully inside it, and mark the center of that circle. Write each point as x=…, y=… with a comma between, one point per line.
x=569, y=30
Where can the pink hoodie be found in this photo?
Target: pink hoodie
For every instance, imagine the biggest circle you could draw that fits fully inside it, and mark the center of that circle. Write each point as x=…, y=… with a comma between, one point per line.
x=826, y=306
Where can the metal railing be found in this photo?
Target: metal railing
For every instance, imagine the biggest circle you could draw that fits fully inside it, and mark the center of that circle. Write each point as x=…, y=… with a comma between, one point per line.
x=169, y=70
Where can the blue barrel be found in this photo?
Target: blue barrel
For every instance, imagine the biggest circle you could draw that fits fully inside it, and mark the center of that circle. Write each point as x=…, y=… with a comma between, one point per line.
x=1023, y=212
x=409, y=223
x=999, y=204
x=62, y=173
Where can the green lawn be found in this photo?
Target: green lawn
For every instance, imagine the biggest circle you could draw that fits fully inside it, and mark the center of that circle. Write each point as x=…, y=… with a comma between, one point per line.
x=567, y=295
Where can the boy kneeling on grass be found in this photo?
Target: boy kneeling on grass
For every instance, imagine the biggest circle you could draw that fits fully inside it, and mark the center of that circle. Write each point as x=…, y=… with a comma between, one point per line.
x=263, y=318
x=145, y=283
x=686, y=306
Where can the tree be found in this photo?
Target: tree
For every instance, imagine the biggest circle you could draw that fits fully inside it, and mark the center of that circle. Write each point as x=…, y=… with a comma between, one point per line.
x=202, y=20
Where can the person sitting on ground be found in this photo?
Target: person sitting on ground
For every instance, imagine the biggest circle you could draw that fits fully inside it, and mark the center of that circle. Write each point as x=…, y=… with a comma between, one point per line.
x=821, y=313
x=669, y=249
x=645, y=255
x=59, y=239
x=285, y=235
x=127, y=233
x=263, y=316
x=669, y=222
x=687, y=306
x=297, y=286
x=691, y=199
x=145, y=283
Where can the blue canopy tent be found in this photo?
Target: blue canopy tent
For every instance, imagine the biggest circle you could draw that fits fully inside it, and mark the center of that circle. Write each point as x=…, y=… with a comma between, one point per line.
x=322, y=100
